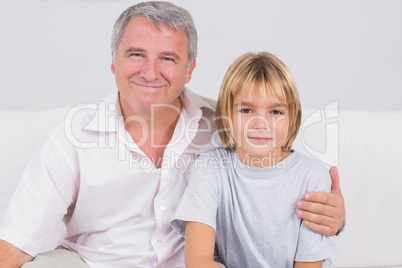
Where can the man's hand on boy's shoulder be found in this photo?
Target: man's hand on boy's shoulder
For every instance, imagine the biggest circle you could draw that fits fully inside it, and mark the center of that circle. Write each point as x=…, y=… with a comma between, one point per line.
x=324, y=213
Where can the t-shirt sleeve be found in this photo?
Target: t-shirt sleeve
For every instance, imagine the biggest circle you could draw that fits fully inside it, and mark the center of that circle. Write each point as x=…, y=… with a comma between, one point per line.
x=313, y=246
x=200, y=200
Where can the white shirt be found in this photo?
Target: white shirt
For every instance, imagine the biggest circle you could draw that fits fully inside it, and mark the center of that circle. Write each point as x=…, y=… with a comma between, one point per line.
x=116, y=205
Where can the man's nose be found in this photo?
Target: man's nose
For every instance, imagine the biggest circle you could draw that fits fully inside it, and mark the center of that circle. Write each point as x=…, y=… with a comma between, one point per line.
x=150, y=70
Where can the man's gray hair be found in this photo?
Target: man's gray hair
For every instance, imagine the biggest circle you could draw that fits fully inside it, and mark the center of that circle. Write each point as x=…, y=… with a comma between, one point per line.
x=158, y=13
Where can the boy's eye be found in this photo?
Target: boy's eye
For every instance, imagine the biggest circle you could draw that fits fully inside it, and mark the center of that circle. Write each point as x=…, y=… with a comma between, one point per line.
x=277, y=112
x=245, y=111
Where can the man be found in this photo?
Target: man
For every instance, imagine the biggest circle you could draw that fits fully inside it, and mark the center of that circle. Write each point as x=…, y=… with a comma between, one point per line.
x=114, y=175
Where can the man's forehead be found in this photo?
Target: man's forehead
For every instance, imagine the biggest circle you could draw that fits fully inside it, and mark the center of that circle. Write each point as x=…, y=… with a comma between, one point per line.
x=160, y=26
x=142, y=27
x=142, y=36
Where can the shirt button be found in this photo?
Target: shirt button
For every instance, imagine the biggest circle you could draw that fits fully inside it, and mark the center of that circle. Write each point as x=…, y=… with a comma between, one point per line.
x=163, y=208
x=159, y=241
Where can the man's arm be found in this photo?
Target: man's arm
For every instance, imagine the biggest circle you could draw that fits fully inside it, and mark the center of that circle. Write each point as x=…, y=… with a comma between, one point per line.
x=12, y=257
x=323, y=213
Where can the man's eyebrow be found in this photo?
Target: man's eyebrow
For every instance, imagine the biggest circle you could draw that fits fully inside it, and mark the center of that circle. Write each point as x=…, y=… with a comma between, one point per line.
x=170, y=54
x=133, y=49
x=162, y=54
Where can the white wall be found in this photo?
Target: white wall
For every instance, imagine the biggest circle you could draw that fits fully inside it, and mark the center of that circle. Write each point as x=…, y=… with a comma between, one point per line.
x=56, y=53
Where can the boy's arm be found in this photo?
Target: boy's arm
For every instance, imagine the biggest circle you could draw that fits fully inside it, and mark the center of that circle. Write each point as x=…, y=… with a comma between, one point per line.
x=317, y=264
x=324, y=213
x=12, y=257
x=200, y=246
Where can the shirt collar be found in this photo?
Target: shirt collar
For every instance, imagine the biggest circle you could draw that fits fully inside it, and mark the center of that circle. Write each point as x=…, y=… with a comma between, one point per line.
x=108, y=116
x=192, y=102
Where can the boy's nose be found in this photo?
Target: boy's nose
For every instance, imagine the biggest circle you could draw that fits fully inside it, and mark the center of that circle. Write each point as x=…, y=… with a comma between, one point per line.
x=259, y=122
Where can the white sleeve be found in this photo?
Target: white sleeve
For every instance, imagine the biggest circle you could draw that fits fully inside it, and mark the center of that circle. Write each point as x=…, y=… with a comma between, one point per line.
x=201, y=198
x=47, y=189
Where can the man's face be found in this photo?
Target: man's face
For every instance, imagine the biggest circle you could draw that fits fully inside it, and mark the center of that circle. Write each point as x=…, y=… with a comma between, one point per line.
x=151, y=66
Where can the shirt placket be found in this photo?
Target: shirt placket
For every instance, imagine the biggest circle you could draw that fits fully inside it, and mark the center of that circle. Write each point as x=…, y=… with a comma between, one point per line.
x=162, y=216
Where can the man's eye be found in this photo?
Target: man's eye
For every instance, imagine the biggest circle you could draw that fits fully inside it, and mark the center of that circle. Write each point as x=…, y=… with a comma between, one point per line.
x=136, y=55
x=168, y=59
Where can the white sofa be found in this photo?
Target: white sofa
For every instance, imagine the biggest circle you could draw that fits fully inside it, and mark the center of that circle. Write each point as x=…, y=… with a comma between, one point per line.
x=367, y=149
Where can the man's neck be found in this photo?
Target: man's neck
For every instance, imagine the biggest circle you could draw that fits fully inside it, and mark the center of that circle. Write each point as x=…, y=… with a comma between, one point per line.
x=152, y=130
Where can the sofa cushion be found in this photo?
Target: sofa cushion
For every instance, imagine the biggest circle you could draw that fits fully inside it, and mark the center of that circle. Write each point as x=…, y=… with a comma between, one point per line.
x=367, y=150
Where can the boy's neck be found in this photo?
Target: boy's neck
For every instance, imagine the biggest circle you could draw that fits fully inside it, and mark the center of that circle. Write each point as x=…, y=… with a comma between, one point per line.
x=262, y=162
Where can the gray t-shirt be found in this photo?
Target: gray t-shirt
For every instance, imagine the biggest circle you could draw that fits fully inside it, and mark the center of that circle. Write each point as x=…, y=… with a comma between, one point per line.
x=253, y=210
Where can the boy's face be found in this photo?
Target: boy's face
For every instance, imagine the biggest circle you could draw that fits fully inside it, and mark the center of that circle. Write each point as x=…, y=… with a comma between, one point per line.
x=260, y=125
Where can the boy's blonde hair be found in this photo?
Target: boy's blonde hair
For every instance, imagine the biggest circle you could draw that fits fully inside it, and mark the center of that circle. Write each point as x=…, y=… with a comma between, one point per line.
x=271, y=77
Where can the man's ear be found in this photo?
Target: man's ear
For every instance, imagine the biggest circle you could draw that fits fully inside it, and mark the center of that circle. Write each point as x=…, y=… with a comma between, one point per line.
x=112, y=68
x=190, y=71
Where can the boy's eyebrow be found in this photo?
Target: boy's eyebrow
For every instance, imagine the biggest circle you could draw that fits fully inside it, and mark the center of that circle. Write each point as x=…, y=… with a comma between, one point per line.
x=245, y=103
x=250, y=104
x=279, y=105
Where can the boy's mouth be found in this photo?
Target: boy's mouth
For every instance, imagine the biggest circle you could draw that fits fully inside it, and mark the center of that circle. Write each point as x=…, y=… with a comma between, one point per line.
x=260, y=139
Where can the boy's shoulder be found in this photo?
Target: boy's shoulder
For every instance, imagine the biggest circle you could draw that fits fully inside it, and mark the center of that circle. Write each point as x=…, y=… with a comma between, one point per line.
x=215, y=159
x=309, y=164
x=314, y=172
x=218, y=153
